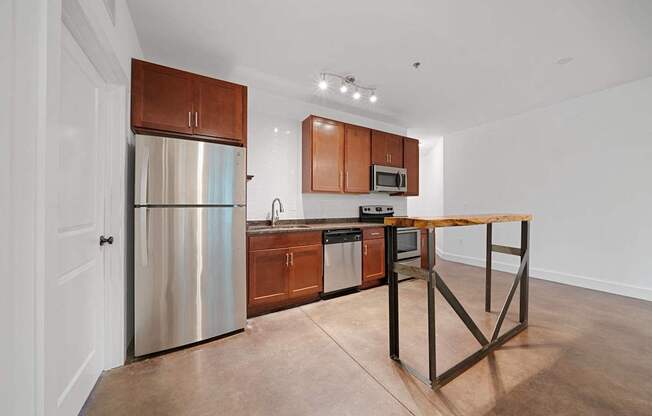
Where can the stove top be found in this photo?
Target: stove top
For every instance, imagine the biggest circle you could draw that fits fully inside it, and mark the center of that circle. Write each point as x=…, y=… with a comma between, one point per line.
x=375, y=213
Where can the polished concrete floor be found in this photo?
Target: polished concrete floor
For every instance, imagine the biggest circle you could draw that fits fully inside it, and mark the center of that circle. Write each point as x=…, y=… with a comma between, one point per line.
x=584, y=353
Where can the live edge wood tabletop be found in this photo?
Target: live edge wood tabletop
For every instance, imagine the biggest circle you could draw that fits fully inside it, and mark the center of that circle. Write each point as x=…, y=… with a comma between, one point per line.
x=454, y=220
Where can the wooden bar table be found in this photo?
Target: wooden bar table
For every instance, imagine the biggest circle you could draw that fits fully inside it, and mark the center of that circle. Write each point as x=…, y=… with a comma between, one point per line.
x=435, y=281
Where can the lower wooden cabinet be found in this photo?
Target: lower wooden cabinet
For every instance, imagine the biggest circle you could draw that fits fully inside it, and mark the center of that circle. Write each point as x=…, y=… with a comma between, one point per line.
x=306, y=271
x=268, y=271
x=282, y=274
x=373, y=259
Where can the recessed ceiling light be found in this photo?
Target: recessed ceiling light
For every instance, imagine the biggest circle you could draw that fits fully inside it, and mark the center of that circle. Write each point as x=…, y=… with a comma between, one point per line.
x=373, y=98
x=356, y=95
x=344, y=88
x=565, y=60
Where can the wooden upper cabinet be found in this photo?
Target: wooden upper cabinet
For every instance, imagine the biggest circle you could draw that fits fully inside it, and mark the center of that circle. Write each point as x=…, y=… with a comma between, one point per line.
x=306, y=270
x=395, y=150
x=411, y=163
x=167, y=100
x=161, y=98
x=220, y=109
x=323, y=155
x=386, y=149
x=357, y=158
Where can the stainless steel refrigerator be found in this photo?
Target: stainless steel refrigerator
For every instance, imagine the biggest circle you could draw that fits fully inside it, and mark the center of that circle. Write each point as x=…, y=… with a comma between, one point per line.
x=189, y=242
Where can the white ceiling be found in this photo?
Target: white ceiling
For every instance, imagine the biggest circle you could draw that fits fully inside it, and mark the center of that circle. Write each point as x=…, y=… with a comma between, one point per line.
x=481, y=60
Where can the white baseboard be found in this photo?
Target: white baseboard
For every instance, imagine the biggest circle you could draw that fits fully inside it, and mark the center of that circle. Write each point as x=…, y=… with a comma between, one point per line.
x=555, y=276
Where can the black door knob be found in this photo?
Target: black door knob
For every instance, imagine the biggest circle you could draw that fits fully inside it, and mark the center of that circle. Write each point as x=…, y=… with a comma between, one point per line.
x=105, y=240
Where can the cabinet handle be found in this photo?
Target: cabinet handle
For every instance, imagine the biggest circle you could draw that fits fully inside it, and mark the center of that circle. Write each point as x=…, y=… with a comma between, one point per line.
x=189, y=117
x=340, y=178
x=287, y=259
x=196, y=122
x=291, y=259
x=347, y=179
x=365, y=249
x=390, y=158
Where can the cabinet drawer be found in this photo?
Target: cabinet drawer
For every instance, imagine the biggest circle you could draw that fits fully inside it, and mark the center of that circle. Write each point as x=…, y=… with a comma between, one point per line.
x=373, y=233
x=283, y=240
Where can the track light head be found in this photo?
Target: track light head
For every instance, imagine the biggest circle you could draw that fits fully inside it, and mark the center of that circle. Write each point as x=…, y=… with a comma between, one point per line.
x=323, y=85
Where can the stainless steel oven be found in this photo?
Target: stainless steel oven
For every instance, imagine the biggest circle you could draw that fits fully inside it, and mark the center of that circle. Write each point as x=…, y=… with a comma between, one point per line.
x=408, y=243
x=388, y=179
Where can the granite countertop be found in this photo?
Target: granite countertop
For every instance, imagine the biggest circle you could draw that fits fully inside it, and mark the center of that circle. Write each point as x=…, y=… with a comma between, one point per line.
x=319, y=224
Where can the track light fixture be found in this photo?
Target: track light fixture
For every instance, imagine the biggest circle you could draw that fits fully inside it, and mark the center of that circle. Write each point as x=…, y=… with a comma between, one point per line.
x=348, y=82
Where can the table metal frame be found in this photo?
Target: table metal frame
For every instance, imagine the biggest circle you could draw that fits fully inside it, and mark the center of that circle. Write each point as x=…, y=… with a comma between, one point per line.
x=435, y=281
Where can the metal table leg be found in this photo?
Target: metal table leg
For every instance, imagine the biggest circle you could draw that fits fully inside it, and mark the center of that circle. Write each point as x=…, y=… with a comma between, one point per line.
x=435, y=282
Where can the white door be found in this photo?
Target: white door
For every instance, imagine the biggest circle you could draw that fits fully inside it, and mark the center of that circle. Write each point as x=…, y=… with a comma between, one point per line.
x=74, y=289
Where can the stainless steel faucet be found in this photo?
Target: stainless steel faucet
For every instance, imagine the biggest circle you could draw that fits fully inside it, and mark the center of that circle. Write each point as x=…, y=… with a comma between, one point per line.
x=275, y=213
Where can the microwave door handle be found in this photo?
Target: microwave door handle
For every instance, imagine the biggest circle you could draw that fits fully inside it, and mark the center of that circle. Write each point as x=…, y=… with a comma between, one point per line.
x=403, y=180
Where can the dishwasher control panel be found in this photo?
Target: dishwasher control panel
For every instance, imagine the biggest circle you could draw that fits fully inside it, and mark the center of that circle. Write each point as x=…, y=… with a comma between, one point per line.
x=342, y=236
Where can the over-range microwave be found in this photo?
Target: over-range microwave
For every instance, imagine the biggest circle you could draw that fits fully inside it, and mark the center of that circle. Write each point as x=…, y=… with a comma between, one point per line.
x=388, y=179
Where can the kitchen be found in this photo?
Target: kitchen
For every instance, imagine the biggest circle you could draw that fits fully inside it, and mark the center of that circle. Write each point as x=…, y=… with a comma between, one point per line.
x=283, y=208
x=179, y=196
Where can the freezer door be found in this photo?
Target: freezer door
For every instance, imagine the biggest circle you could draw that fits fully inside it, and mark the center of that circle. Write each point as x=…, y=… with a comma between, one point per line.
x=184, y=172
x=190, y=276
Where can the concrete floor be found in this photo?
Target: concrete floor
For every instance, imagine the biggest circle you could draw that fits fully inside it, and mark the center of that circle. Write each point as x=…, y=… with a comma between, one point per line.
x=584, y=353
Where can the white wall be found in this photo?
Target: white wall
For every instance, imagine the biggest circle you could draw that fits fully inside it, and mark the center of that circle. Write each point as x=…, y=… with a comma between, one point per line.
x=583, y=168
x=430, y=201
x=29, y=50
x=275, y=160
x=21, y=127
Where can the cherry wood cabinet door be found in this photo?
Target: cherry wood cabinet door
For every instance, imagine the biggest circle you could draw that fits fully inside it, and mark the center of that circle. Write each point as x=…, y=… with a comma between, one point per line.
x=306, y=270
x=424, y=248
x=268, y=276
x=328, y=155
x=395, y=150
x=161, y=98
x=379, y=155
x=373, y=259
x=219, y=109
x=386, y=149
x=357, y=158
x=411, y=163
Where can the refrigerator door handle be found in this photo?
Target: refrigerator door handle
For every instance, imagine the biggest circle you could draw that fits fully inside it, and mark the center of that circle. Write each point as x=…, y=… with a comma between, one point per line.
x=144, y=229
x=144, y=178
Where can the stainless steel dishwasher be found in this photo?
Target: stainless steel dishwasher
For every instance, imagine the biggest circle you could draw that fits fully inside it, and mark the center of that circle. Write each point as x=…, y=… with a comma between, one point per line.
x=342, y=260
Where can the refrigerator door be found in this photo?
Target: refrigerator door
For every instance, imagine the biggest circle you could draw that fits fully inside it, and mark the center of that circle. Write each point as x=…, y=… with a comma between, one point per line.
x=190, y=276
x=183, y=172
